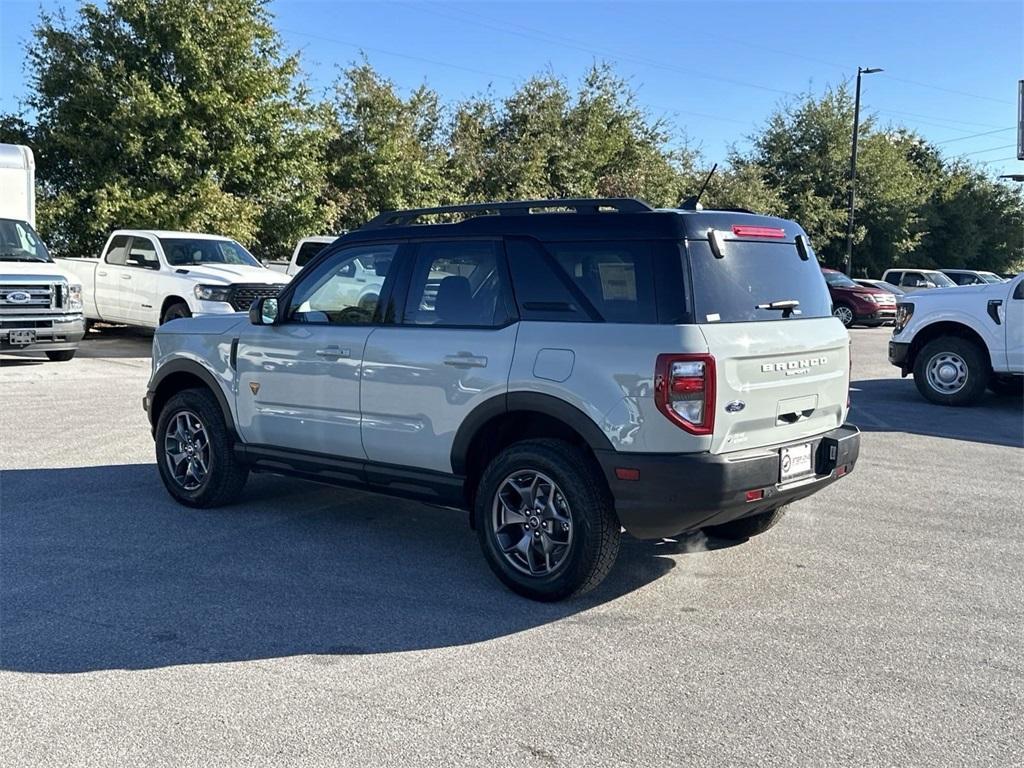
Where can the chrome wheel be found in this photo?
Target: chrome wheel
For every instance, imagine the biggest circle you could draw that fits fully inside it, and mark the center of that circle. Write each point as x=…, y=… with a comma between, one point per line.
x=947, y=373
x=532, y=523
x=187, y=450
x=845, y=314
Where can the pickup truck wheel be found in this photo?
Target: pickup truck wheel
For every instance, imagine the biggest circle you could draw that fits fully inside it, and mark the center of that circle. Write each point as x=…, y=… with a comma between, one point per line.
x=844, y=313
x=951, y=370
x=194, y=451
x=61, y=356
x=545, y=520
x=175, y=311
x=746, y=527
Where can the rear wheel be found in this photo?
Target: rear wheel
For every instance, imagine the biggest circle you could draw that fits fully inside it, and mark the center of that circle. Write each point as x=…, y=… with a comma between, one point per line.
x=845, y=314
x=746, y=527
x=175, y=311
x=61, y=356
x=545, y=520
x=194, y=451
x=951, y=370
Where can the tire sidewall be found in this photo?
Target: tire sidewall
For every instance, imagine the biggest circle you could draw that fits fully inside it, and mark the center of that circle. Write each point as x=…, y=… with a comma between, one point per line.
x=579, y=495
x=209, y=413
x=977, y=371
x=176, y=311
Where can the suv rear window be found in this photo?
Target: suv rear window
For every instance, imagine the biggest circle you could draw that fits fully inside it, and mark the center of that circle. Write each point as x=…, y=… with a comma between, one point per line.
x=307, y=251
x=751, y=275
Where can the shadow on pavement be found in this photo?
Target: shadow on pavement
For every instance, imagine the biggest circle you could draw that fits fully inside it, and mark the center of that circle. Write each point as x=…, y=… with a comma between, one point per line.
x=894, y=405
x=101, y=570
x=116, y=341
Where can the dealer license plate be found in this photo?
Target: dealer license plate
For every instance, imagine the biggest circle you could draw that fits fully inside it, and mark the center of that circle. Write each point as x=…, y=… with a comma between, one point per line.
x=21, y=338
x=795, y=462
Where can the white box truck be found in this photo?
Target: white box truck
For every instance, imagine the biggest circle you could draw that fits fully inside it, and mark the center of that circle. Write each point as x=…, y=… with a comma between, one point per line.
x=40, y=304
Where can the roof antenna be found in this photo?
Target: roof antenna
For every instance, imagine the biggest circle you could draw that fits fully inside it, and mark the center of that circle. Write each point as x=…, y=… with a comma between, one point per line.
x=693, y=203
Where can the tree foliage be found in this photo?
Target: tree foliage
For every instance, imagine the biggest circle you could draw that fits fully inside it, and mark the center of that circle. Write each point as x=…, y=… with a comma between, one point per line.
x=188, y=114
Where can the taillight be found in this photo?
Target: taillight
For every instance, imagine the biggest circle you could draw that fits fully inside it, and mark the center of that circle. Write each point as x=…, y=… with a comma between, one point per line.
x=684, y=390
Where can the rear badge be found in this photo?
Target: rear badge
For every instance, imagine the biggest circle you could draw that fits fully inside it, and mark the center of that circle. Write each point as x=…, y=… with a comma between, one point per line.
x=735, y=406
x=254, y=386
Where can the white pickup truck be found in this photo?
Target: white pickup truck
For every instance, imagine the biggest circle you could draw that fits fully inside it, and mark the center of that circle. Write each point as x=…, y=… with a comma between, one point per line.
x=958, y=341
x=149, y=277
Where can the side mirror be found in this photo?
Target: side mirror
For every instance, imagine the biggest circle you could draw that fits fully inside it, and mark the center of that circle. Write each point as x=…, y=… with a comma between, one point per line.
x=263, y=311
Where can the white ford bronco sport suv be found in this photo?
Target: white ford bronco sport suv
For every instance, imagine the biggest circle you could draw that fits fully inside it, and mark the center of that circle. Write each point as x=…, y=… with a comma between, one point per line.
x=561, y=369
x=958, y=341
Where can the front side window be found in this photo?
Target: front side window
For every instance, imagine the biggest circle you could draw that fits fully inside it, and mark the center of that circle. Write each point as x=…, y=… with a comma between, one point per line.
x=142, y=254
x=457, y=284
x=19, y=242
x=188, y=252
x=344, y=289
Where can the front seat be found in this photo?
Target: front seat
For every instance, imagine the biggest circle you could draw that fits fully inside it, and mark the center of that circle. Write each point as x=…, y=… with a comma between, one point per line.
x=454, y=303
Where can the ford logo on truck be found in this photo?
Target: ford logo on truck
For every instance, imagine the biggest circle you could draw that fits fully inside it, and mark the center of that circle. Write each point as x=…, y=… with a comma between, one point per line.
x=18, y=297
x=794, y=367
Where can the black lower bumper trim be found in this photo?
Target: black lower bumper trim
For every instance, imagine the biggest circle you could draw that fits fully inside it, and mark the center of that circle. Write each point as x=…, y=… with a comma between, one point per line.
x=676, y=493
x=899, y=354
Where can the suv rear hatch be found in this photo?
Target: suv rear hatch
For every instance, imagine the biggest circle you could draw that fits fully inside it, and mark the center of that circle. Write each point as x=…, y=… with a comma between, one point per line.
x=781, y=360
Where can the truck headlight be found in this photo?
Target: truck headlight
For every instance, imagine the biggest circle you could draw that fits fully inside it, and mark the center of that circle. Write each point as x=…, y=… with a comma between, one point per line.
x=904, y=311
x=212, y=292
x=75, y=297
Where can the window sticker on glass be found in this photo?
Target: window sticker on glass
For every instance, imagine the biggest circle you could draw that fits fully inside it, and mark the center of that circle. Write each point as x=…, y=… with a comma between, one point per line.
x=714, y=317
x=618, y=281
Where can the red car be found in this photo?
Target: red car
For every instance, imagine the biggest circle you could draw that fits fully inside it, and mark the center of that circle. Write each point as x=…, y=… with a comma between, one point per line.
x=853, y=303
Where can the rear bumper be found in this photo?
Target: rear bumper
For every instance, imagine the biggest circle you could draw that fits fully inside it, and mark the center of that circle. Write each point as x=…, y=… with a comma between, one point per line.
x=676, y=493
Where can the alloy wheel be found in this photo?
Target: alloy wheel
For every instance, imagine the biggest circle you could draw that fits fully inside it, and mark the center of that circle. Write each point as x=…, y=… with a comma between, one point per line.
x=844, y=314
x=532, y=523
x=187, y=450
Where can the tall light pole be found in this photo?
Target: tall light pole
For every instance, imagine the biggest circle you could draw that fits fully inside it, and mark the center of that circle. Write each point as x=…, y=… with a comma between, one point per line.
x=853, y=165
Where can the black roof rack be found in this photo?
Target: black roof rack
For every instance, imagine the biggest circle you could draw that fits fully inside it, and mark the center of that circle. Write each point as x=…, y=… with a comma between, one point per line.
x=511, y=208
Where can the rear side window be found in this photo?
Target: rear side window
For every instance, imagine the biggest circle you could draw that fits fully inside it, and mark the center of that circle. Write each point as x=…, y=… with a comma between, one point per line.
x=751, y=276
x=307, y=251
x=617, y=278
x=542, y=290
x=457, y=284
x=117, y=253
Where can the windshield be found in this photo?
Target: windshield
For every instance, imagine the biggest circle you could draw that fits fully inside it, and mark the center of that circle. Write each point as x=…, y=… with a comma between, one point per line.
x=756, y=281
x=838, y=279
x=19, y=242
x=990, y=277
x=186, y=252
x=940, y=280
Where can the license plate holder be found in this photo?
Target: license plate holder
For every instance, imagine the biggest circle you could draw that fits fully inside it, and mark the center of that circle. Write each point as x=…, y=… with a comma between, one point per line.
x=795, y=462
x=21, y=338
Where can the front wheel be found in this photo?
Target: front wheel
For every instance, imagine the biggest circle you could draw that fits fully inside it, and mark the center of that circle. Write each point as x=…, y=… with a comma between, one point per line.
x=194, y=451
x=951, y=370
x=844, y=313
x=176, y=311
x=545, y=520
x=62, y=356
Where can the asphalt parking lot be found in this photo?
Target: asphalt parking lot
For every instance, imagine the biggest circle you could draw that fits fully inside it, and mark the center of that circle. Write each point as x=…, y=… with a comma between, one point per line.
x=879, y=624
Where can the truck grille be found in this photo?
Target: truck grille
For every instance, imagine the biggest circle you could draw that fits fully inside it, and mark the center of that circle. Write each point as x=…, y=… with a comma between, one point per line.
x=242, y=296
x=29, y=296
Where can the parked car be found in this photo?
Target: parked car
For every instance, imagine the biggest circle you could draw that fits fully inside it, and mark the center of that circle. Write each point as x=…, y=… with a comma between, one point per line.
x=881, y=285
x=971, y=276
x=858, y=304
x=306, y=249
x=958, y=341
x=913, y=280
x=148, y=277
x=40, y=304
x=546, y=386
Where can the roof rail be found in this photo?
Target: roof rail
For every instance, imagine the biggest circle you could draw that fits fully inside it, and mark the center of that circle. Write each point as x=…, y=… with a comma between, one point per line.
x=510, y=208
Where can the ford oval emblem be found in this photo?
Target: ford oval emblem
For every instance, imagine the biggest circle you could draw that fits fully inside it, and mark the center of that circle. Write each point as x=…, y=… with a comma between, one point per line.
x=735, y=406
x=18, y=297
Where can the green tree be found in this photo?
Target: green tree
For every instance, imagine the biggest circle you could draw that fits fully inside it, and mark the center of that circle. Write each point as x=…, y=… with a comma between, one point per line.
x=179, y=114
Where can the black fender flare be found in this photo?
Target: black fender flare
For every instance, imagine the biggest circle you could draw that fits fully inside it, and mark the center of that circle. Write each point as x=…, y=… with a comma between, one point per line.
x=536, y=402
x=192, y=368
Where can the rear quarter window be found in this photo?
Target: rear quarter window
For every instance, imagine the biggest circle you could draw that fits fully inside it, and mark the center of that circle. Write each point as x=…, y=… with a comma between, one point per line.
x=752, y=274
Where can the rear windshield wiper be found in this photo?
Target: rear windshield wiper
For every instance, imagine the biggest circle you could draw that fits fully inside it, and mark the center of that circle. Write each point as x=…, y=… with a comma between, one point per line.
x=786, y=306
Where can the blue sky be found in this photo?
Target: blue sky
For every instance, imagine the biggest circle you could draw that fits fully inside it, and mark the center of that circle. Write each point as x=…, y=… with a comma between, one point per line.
x=714, y=69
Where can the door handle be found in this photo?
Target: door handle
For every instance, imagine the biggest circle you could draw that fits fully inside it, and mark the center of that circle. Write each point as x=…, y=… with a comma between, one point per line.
x=102, y=273
x=334, y=351
x=126, y=277
x=465, y=360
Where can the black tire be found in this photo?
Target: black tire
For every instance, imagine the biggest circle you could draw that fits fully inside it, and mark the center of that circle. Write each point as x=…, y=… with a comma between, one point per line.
x=173, y=312
x=595, y=530
x=845, y=313
x=88, y=326
x=62, y=356
x=747, y=527
x=961, y=352
x=225, y=476
x=1009, y=386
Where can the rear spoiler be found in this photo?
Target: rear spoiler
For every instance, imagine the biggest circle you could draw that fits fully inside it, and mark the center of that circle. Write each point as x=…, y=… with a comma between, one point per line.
x=717, y=238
